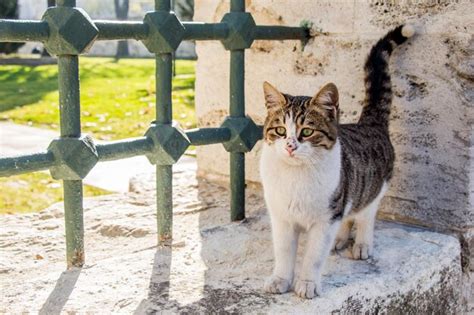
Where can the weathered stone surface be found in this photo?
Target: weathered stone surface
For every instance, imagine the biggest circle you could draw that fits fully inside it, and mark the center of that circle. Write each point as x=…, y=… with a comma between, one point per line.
x=431, y=123
x=212, y=266
x=467, y=244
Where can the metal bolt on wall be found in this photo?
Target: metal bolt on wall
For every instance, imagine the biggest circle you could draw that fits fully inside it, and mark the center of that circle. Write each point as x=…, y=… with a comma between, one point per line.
x=67, y=32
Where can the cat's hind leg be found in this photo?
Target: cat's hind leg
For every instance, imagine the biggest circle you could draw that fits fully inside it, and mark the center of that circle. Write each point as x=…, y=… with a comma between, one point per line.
x=364, y=222
x=344, y=233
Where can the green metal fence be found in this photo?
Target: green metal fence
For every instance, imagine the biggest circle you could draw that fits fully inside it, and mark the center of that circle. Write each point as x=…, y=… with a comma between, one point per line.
x=67, y=31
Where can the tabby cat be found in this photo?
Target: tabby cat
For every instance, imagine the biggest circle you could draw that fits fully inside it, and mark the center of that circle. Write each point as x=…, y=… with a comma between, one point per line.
x=321, y=177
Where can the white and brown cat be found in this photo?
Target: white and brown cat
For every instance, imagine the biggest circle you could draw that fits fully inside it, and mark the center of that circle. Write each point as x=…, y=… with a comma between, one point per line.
x=321, y=177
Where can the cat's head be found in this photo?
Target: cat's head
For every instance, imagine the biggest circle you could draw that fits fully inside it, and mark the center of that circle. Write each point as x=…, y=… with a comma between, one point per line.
x=300, y=127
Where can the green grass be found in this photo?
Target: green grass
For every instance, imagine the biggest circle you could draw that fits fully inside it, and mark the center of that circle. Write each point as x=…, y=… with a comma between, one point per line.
x=117, y=102
x=34, y=192
x=117, y=97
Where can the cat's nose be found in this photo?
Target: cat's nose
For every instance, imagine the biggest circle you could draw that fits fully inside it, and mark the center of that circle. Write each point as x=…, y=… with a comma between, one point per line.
x=290, y=147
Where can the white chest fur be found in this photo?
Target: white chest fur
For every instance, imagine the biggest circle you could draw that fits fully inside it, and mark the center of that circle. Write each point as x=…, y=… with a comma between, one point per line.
x=300, y=194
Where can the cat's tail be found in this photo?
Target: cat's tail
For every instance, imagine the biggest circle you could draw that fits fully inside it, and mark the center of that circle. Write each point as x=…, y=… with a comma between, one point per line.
x=377, y=77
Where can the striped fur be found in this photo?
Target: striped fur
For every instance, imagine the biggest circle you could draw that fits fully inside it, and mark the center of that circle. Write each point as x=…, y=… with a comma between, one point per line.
x=319, y=174
x=377, y=81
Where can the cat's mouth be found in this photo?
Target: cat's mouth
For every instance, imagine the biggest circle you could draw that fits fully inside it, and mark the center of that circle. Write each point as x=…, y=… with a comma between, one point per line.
x=292, y=158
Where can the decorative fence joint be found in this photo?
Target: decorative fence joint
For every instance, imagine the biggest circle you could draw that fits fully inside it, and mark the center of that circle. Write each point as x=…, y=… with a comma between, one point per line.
x=241, y=30
x=74, y=157
x=71, y=31
x=244, y=134
x=169, y=143
x=165, y=32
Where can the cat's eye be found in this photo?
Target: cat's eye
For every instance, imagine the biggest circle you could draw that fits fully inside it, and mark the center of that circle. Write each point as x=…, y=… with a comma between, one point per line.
x=306, y=132
x=281, y=131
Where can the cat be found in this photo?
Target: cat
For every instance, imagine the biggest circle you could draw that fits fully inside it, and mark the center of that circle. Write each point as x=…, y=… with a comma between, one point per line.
x=321, y=177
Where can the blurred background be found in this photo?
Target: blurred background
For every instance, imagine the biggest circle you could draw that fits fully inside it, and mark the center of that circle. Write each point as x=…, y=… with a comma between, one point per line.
x=117, y=99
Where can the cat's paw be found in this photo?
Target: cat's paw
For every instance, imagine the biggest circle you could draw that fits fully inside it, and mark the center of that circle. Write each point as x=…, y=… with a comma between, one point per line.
x=361, y=251
x=307, y=289
x=277, y=285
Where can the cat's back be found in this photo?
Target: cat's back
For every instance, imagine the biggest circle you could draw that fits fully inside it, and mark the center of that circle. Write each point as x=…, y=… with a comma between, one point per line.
x=367, y=162
x=367, y=144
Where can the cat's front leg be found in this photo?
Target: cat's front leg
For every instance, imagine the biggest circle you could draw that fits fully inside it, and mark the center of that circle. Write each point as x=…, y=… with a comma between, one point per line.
x=318, y=245
x=285, y=243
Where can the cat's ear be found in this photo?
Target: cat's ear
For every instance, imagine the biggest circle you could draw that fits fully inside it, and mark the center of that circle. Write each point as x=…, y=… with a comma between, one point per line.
x=273, y=98
x=327, y=100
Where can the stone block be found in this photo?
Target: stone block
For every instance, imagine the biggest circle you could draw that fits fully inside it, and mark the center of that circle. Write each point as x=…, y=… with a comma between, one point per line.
x=431, y=122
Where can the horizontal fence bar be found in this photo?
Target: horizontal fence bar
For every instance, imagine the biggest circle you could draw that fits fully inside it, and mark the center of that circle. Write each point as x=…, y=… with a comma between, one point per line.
x=113, y=30
x=205, y=31
x=26, y=31
x=26, y=163
x=263, y=32
x=23, y=31
x=123, y=149
x=110, y=151
x=203, y=136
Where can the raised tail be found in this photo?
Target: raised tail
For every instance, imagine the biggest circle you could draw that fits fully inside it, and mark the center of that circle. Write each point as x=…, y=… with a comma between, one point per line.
x=377, y=77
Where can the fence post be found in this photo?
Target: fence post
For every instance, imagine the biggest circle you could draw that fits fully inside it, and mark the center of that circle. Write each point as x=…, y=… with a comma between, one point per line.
x=164, y=173
x=237, y=109
x=70, y=121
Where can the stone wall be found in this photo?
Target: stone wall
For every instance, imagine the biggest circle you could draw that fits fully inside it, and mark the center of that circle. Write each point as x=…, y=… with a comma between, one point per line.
x=433, y=83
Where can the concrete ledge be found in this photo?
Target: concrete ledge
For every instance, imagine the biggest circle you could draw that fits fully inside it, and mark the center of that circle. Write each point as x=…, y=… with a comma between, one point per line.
x=213, y=266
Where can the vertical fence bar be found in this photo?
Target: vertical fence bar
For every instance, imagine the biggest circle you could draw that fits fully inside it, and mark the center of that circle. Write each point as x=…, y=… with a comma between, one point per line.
x=163, y=5
x=237, y=5
x=237, y=109
x=70, y=120
x=66, y=3
x=73, y=216
x=164, y=173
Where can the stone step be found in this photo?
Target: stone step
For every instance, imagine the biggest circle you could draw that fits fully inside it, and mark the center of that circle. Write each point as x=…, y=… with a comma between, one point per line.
x=213, y=266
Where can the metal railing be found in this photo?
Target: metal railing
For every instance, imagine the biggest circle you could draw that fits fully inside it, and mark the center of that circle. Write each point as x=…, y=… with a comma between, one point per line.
x=67, y=31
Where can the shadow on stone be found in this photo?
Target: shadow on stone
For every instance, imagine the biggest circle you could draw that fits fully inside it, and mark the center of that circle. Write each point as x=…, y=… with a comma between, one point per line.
x=61, y=292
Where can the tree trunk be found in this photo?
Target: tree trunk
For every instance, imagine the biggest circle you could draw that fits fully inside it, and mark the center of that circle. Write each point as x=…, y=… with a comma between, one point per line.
x=122, y=49
x=121, y=12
